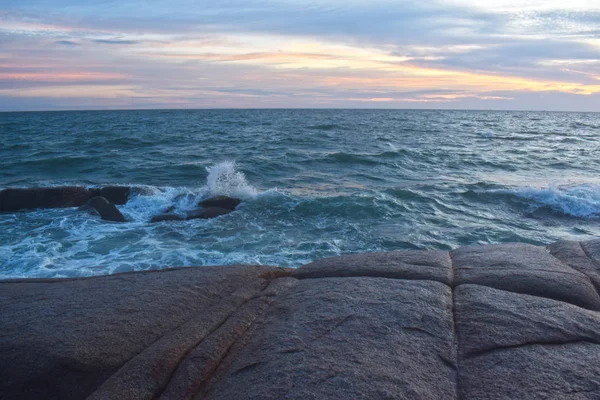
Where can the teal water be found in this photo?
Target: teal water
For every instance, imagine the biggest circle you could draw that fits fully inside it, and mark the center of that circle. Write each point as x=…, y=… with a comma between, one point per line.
x=316, y=183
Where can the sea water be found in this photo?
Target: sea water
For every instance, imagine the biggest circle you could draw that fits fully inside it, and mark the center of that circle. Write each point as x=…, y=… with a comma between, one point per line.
x=314, y=184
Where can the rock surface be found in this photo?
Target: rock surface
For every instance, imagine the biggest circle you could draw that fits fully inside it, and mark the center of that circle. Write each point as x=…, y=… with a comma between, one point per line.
x=115, y=194
x=106, y=210
x=167, y=217
x=50, y=197
x=207, y=213
x=229, y=203
x=59, y=197
x=507, y=321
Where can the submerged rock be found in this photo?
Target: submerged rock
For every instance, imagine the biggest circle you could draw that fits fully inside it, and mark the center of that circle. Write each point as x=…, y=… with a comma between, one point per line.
x=167, y=217
x=229, y=203
x=207, y=213
x=49, y=197
x=107, y=210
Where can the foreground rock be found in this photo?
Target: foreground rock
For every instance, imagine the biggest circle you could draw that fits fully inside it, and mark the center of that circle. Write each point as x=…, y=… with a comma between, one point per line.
x=505, y=321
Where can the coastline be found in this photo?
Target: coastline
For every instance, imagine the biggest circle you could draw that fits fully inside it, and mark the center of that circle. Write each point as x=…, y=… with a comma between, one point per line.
x=495, y=321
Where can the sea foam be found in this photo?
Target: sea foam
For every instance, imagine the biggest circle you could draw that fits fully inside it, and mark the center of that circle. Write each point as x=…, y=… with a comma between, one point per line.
x=575, y=200
x=224, y=180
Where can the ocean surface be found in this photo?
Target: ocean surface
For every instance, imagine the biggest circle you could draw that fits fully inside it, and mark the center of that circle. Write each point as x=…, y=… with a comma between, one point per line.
x=315, y=183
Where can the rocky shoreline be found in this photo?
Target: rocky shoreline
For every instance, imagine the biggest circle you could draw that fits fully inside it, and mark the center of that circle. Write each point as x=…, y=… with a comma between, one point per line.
x=103, y=202
x=507, y=321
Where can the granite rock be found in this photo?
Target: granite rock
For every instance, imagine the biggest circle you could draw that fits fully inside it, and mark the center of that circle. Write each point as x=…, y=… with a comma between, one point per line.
x=506, y=322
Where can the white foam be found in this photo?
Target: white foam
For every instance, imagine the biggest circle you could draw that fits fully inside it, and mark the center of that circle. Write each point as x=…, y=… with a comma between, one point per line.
x=143, y=207
x=577, y=200
x=224, y=180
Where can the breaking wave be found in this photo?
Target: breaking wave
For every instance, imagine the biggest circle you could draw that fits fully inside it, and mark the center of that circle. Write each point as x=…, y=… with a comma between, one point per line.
x=581, y=201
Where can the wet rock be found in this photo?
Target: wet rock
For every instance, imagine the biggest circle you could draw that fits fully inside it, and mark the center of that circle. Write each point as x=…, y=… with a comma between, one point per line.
x=229, y=203
x=51, y=197
x=114, y=194
x=169, y=209
x=167, y=217
x=142, y=191
x=107, y=210
x=207, y=213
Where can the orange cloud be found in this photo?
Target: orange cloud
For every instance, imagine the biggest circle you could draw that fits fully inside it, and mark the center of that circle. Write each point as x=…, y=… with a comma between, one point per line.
x=60, y=76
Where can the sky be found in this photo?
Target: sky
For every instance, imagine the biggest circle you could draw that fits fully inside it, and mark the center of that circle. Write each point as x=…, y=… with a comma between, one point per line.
x=444, y=54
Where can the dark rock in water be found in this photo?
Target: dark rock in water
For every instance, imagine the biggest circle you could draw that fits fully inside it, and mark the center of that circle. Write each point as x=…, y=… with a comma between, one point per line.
x=51, y=197
x=229, y=203
x=167, y=217
x=114, y=194
x=88, y=208
x=141, y=191
x=169, y=209
x=106, y=209
x=207, y=213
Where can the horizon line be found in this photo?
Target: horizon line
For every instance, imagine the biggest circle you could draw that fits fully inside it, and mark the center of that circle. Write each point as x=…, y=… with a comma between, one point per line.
x=294, y=108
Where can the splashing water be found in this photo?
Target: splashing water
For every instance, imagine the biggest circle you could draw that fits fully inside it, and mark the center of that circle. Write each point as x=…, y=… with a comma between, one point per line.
x=224, y=180
x=578, y=201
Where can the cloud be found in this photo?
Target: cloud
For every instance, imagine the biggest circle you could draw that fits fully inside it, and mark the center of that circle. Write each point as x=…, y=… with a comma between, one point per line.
x=67, y=43
x=115, y=41
x=446, y=53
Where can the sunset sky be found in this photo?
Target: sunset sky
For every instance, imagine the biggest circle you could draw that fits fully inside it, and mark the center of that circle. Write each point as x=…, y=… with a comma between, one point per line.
x=105, y=54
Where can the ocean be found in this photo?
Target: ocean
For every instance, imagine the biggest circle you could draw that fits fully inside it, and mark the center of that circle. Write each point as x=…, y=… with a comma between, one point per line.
x=315, y=184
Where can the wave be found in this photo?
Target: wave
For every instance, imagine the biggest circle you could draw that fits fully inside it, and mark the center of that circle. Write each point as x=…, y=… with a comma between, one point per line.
x=223, y=180
x=581, y=201
x=324, y=127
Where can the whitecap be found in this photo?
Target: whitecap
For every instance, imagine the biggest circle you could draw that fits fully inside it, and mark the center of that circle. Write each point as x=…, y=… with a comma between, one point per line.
x=581, y=200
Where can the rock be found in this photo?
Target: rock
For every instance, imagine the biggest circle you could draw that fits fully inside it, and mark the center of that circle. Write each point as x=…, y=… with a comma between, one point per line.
x=577, y=256
x=229, y=203
x=119, y=336
x=107, y=210
x=507, y=321
x=411, y=264
x=207, y=213
x=345, y=338
x=142, y=191
x=523, y=268
x=115, y=194
x=51, y=197
x=169, y=209
x=517, y=346
x=167, y=217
